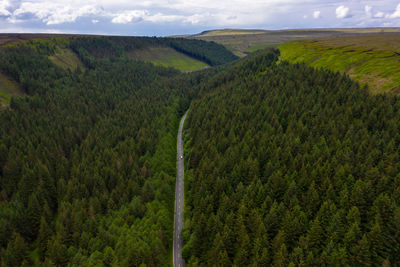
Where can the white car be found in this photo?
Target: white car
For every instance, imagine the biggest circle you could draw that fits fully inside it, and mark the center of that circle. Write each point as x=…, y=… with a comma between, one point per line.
x=181, y=157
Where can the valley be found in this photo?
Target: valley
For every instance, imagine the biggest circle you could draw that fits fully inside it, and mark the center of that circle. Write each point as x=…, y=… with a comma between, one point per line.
x=226, y=148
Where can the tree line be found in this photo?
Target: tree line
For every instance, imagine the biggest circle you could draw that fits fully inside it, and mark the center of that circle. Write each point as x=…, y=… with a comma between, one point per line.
x=209, y=52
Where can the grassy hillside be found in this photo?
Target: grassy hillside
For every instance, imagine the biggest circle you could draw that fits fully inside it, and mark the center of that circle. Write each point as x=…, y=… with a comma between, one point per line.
x=243, y=42
x=225, y=32
x=373, y=60
x=8, y=88
x=68, y=52
x=167, y=57
x=66, y=59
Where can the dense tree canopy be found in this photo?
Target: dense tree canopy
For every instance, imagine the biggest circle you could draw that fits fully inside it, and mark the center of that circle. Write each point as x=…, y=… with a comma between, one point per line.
x=291, y=166
x=87, y=162
x=287, y=165
x=208, y=52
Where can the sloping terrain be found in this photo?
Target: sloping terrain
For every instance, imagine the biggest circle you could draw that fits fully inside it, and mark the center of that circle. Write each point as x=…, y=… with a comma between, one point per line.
x=288, y=165
x=66, y=59
x=167, y=57
x=372, y=60
x=8, y=88
x=226, y=32
x=242, y=42
x=62, y=52
x=87, y=156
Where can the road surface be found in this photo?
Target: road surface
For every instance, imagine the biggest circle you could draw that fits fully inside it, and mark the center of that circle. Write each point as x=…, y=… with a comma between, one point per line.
x=179, y=200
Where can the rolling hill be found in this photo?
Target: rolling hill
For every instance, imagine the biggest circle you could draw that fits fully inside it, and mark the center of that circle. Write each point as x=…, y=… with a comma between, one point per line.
x=242, y=42
x=182, y=54
x=369, y=55
x=372, y=60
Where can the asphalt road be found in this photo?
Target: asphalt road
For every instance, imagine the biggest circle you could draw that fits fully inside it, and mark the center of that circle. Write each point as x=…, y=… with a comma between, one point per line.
x=179, y=201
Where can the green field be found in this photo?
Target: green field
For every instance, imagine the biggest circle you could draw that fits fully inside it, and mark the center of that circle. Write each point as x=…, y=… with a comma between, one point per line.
x=8, y=88
x=256, y=48
x=167, y=57
x=63, y=57
x=225, y=32
x=243, y=42
x=66, y=59
x=372, y=60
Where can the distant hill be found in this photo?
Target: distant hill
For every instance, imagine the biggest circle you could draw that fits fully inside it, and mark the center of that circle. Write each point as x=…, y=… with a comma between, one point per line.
x=226, y=32
x=72, y=52
x=373, y=60
x=368, y=55
x=242, y=41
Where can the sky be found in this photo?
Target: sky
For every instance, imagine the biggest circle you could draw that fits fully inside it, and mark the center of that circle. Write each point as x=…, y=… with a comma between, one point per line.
x=173, y=17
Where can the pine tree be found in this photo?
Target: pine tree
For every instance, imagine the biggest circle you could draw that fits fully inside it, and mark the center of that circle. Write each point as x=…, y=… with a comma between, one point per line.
x=16, y=252
x=281, y=257
x=32, y=219
x=223, y=259
x=242, y=254
x=43, y=237
x=362, y=252
x=57, y=251
x=314, y=236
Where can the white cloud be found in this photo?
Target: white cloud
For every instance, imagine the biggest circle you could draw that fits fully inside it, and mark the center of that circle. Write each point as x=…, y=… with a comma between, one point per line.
x=54, y=13
x=197, y=18
x=342, y=12
x=368, y=10
x=4, y=5
x=166, y=16
x=129, y=16
x=160, y=18
x=395, y=14
x=205, y=12
x=379, y=14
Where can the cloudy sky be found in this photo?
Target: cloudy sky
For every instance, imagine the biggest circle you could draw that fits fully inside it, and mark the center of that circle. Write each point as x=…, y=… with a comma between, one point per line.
x=168, y=17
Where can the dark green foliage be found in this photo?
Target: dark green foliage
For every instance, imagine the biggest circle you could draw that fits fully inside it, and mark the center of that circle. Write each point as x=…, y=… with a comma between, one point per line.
x=113, y=47
x=16, y=253
x=292, y=166
x=209, y=52
x=31, y=68
x=288, y=166
x=88, y=161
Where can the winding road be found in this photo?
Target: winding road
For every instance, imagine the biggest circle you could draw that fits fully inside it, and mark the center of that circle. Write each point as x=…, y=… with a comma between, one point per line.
x=179, y=201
